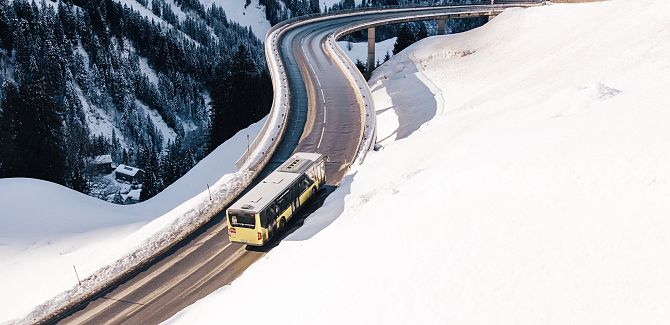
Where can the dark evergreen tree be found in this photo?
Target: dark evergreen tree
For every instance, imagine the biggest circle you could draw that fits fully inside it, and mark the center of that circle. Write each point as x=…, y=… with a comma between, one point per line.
x=151, y=184
x=39, y=135
x=406, y=37
x=423, y=31
x=361, y=67
x=6, y=29
x=10, y=107
x=239, y=99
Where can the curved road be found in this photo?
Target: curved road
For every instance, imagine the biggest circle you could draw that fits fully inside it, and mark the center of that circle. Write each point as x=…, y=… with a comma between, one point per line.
x=324, y=118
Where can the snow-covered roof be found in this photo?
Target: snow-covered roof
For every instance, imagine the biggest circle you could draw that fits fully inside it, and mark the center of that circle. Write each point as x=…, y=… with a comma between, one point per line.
x=126, y=170
x=102, y=159
x=275, y=183
x=133, y=195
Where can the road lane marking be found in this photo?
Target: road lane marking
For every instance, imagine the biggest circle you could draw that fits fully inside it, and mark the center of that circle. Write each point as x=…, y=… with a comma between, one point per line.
x=176, y=281
x=117, y=297
x=322, y=96
x=213, y=273
x=323, y=130
x=309, y=62
x=325, y=112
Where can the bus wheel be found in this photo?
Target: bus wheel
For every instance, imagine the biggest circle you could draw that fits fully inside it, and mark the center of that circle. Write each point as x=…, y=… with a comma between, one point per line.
x=282, y=223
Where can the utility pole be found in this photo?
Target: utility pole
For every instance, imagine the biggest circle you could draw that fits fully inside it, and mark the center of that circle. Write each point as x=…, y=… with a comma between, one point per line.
x=75, y=273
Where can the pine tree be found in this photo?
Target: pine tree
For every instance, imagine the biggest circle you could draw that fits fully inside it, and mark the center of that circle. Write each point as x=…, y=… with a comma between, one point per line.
x=6, y=29
x=78, y=180
x=39, y=135
x=9, y=109
x=235, y=103
x=361, y=67
x=405, y=38
x=423, y=32
x=150, y=184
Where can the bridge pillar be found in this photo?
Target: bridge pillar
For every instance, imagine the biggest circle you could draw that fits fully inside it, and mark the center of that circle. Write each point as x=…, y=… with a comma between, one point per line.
x=441, y=26
x=371, y=49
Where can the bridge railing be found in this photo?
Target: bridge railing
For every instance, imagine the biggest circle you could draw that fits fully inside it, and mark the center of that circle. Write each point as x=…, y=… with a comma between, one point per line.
x=275, y=124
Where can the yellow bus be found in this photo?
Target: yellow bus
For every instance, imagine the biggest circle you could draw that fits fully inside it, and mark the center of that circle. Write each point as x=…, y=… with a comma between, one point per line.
x=263, y=211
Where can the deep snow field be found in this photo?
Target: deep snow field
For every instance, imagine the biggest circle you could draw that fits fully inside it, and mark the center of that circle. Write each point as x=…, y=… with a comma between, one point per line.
x=524, y=179
x=47, y=228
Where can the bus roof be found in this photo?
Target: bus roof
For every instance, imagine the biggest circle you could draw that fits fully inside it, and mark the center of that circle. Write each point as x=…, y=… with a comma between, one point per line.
x=275, y=183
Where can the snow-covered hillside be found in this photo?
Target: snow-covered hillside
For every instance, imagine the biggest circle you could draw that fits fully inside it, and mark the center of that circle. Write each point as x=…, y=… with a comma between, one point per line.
x=140, y=82
x=524, y=180
x=46, y=228
x=252, y=16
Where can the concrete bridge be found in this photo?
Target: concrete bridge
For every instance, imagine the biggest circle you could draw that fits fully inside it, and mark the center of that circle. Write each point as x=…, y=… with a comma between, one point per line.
x=494, y=8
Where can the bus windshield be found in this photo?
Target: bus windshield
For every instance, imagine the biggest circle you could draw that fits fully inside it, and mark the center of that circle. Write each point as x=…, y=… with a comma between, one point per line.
x=242, y=219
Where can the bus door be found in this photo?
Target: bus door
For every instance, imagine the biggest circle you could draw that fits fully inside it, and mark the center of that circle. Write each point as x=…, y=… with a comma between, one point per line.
x=296, y=195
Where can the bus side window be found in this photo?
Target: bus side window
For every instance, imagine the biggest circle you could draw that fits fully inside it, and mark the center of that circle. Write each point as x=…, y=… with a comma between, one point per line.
x=307, y=182
x=283, y=202
x=264, y=218
x=274, y=211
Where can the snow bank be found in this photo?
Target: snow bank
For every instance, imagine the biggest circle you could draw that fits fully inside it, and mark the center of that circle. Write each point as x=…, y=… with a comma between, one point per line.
x=533, y=189
x=46, y=228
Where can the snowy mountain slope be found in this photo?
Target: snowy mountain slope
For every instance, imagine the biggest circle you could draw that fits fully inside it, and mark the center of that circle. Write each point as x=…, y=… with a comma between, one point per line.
x=137, y=80
x=252, y=16
x=531, y=189
x=39, y=245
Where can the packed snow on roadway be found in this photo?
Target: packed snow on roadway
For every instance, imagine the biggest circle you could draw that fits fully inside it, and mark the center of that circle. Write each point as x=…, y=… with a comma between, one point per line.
x=47, y=230
x=524, y=179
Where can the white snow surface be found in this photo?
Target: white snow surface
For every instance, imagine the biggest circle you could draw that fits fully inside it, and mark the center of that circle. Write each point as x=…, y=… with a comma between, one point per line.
x=359, y=50
x=524, y=180
x=148, y=71
x=168, y=133
x=252, y=16
x=46, y=228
